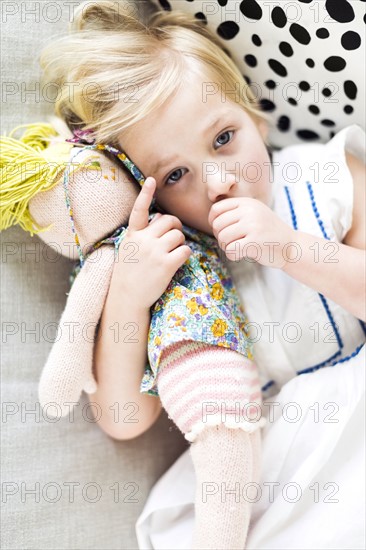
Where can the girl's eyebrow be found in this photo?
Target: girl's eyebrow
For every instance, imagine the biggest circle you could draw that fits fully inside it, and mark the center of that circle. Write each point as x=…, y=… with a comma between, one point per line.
x=161, y=163
x=218, y=120
x=215, y=122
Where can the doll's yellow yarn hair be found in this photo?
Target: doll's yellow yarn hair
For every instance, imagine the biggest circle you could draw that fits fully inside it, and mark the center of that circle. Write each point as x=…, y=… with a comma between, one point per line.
x=28, y=165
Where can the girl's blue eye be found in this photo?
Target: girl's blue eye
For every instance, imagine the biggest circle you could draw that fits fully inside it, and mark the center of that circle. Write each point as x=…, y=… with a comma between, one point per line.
x=172, y=174
x=223, y=134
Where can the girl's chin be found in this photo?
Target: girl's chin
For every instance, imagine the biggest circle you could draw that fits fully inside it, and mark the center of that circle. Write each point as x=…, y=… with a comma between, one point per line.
x=204, y=229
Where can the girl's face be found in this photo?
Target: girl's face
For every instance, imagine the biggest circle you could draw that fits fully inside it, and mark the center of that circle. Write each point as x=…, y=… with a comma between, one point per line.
x=200, y=148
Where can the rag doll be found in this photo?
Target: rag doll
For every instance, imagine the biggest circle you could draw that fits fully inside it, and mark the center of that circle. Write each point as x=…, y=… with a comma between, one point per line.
x=79, y=195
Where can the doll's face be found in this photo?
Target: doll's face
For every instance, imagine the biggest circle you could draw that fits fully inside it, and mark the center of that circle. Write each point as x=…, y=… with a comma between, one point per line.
x=101, y=199
x=200, y=148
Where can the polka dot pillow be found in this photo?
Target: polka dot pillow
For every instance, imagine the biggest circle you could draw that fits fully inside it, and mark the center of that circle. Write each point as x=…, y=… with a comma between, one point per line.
x=304, y=59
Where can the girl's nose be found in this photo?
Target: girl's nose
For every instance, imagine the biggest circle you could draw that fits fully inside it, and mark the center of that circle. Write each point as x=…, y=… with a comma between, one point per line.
x=220, y=185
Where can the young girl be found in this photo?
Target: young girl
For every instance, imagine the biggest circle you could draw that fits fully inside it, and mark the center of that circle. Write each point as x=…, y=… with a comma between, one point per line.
x=292, y=225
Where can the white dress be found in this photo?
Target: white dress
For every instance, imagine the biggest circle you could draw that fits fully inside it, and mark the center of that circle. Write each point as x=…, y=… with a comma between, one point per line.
x=311, y=357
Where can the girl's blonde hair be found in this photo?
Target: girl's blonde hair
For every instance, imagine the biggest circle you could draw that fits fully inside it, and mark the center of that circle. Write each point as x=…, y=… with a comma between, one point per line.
x=113, y=69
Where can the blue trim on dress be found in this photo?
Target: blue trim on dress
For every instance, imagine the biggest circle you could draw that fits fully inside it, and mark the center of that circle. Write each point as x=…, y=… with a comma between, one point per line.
x=321, y=225
x=353, y=354
x=330, y=317
x=323, y=300
x=293, y=215
x=267, y=385
x=320, y=365
x=316, y=212
x=342, y=360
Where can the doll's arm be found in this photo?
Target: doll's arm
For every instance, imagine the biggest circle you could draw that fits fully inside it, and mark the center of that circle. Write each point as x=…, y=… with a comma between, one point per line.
x=68, y=370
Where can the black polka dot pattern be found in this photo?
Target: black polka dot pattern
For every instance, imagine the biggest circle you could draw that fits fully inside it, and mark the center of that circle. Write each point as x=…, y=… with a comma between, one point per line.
x=286, y=49
x=334, y=63
x=228, y=29
x=283, y=123
x=351, y=40
x=340, y=10
x=307, y=135
x=300, y=33
x=327, y=122
x=267, y=105
x=314, y=109
x=279, y=17
x=251, y=9
x=350, y=89
x=277, y=67
x=322, y=33
x=250, y=60
x=200, y=15
x=256, y=40
x=303, y=59
x=270, y=84
x=304, y=86
x=165, y=5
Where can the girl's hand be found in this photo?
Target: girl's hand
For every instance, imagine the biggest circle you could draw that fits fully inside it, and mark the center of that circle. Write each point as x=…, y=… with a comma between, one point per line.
x=150, y=253
x=246, y=227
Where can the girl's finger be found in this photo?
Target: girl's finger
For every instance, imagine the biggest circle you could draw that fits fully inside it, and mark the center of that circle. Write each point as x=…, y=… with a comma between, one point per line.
x=231, y=233
x=166, y=223
x=139, y=217
x=179, y=256
x=220, y=207
x=173, y=239
x=224, y=220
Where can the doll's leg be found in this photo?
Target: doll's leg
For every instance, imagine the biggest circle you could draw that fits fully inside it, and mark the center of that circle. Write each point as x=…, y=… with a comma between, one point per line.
x=194, y=379
x=223, y=459
x=256, y=442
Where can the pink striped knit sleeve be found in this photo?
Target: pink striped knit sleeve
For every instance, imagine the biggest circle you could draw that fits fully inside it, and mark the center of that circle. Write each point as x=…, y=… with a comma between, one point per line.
x=201, y=385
